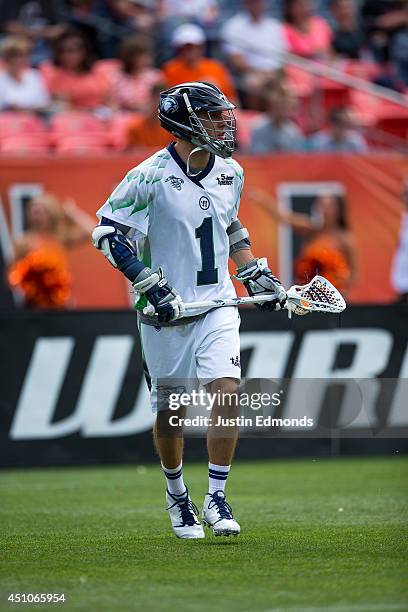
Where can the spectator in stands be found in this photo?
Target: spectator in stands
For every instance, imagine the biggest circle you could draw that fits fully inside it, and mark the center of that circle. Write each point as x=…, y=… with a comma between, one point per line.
x=204, y=12
x=41, y=21
x=146, y=131
x=82, y=15
x=276, y=131
x=348, y=39
x=72, y=79
x=382, y=20
x=40, y=270
x=329, y=246
x=341, y=137
x=399, y=272
x=399, y=53
x=190, y=63
x=254, y=43
x=118, y=19
x=21, y=87
x=140, y=12
x=306, y=34
x=132, y=82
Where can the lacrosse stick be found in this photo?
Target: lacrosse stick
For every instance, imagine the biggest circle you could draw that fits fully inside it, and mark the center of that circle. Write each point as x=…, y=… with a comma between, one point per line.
x=317, y=296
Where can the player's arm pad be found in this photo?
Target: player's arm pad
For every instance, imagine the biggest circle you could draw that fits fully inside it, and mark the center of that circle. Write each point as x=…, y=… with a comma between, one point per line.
x=238, y=237
x=109, y=238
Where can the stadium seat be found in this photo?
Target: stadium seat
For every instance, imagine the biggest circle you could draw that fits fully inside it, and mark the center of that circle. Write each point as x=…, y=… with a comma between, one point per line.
x=301, y=82
x=395, y=123
x=20, y=122
x=24, y=144
x=118, y=129
x=304, y=85
x=72, y=129
x=76, y=121
x=69, y=122
x=385, y=116
x=81, y=144
x=365, y=107
x=334, y=94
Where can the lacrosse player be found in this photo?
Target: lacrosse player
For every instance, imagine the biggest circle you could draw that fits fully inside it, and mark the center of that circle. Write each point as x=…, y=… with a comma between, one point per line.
x=169, y=227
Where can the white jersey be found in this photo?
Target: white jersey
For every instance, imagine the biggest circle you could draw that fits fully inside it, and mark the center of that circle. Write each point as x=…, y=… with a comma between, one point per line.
x=180, y=222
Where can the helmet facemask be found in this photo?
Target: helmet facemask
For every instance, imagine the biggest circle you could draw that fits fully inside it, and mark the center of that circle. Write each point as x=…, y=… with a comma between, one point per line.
x=214, y=130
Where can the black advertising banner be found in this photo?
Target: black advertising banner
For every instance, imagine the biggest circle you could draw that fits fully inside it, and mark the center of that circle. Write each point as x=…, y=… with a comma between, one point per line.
x=73, y=388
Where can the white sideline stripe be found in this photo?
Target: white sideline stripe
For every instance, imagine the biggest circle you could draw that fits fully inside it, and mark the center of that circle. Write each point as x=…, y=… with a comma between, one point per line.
x=345, y=608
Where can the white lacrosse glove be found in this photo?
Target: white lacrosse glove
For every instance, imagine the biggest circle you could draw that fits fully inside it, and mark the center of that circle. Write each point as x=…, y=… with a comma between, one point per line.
x=258, y=279
x=166, y=301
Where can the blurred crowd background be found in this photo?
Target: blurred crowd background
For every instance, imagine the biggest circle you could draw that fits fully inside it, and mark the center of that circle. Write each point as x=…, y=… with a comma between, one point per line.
x=84, y=75
x=82, y=78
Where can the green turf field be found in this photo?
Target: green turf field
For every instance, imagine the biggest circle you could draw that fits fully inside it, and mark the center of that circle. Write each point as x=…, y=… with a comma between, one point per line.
x=317, y=535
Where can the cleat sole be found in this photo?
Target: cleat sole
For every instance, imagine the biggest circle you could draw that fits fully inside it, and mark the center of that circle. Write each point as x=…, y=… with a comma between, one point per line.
x=220, y=533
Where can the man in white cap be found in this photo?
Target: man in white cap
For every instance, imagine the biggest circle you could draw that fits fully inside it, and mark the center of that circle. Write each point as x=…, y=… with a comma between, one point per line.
x=190, y=63
x=254, y=43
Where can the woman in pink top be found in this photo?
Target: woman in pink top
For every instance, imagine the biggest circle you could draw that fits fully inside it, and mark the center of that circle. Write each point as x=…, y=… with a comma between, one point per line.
x=133, y=77
x=72, y=79
x=306, y=34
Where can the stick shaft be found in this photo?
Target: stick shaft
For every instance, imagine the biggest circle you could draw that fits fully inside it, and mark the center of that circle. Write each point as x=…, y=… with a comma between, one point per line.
x=188, y=306
x=228, y=302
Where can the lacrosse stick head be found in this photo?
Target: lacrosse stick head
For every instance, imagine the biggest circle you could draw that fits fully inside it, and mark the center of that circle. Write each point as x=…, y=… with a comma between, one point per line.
x=317, y=296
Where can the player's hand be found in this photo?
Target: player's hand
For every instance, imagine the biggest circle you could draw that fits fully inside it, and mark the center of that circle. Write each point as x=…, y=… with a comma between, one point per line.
x=258, y=279
x=167, y=303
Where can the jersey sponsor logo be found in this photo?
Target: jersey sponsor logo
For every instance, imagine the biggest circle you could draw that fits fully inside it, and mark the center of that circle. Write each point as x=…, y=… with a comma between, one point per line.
x=204, y=203
x=235, y=361
x=175, y=182
x=169, y=104
x=225, y=179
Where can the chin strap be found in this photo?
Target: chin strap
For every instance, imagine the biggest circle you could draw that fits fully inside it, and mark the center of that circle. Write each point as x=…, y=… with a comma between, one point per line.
x=189, y=173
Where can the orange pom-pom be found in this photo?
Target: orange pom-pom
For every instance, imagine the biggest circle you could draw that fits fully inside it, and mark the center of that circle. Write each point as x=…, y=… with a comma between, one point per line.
x=327, y=262
x=42, y=278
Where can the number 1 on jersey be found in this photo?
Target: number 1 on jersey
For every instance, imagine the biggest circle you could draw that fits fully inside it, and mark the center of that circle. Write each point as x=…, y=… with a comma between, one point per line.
x=208, y=275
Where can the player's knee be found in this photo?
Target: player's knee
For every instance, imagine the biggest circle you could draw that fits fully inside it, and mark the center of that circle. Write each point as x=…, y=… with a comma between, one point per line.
x=168, y=423
x=225, y=392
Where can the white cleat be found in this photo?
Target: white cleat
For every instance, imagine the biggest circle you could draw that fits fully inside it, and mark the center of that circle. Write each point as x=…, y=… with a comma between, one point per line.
x=217, y=514
x=183, y=517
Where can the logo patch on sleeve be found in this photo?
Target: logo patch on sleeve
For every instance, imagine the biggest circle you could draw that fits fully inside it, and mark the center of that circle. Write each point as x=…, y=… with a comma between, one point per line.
x=225, y=179
x=175, y=182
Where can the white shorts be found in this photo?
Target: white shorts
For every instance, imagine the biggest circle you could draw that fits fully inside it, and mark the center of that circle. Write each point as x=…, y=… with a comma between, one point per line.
x=198, y=352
